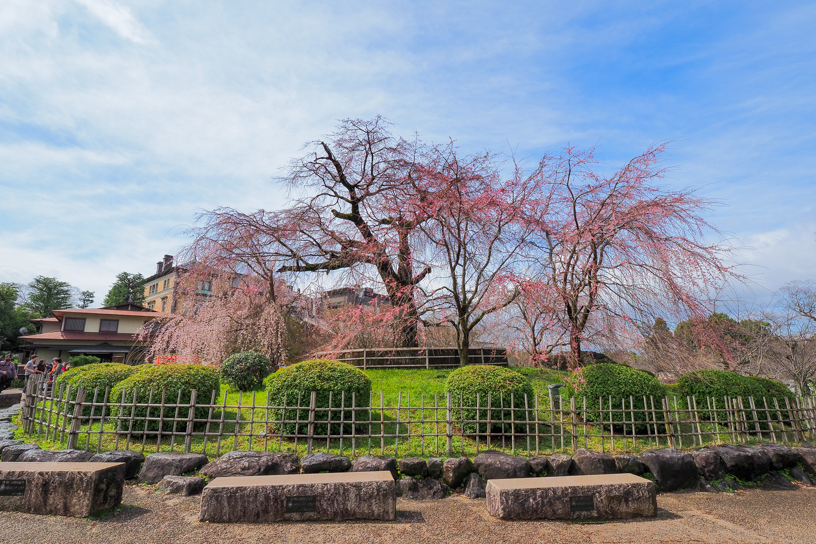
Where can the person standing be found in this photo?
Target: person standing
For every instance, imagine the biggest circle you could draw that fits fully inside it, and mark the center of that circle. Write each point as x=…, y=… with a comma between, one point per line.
x=8, y=371
x=31, y=368
x=59, y=368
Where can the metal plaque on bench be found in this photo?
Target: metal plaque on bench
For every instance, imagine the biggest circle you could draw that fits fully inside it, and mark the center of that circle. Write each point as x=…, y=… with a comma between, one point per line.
x=12, y=488
x=301, y=503
x=582, y=503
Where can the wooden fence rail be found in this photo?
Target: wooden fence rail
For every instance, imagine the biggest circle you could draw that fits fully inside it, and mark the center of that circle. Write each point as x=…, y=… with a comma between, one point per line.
x=441, y=425
x=416, y=357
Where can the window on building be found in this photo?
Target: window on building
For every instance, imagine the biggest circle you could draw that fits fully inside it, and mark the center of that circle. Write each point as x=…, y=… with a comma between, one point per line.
x=109, y=325
x=151, y=305
x=154, y=289
x=204, y=287
x=164, y=304
x=166, y=285
x=74, y=324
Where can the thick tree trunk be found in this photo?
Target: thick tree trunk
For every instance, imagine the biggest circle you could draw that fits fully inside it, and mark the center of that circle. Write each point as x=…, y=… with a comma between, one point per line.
x=575, y=347
x=464, y=348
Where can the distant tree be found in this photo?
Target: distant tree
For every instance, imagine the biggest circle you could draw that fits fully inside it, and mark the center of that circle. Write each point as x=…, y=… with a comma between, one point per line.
x=13, y=316
x=47, y=294
x=86, y=298
x=127, y=287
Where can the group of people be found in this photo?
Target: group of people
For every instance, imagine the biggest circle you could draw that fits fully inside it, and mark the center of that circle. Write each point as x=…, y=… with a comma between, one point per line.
x=8, y=370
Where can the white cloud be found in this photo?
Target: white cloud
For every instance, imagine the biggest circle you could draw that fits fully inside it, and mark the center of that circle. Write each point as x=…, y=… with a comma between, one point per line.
x=119, y=19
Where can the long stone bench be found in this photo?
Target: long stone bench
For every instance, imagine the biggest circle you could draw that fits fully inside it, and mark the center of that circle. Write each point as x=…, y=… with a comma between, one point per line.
x=61, y=489
x=300, y=497
x=608, y=496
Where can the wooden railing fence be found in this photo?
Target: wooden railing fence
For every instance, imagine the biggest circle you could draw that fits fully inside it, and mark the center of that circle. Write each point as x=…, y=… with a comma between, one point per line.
x=441, y=425
x=415, y=357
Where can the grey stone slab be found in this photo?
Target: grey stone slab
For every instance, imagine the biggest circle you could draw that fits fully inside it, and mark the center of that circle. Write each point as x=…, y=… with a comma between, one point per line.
x=586, y=462
x=59, y=456
x=159, y=465
x=421, y=489
x=11, y=453
x=252, y=463
x=61, y=489
x=181, y=485
x=608, y=496
x=132, y=459
x=300, y=497
x=455, y=470
x=324, y=462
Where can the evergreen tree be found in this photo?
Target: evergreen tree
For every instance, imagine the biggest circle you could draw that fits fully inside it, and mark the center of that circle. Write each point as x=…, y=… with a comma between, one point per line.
x=127, y=287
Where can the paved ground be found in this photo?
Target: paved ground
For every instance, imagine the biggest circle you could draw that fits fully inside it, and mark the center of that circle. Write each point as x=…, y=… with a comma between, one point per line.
x=148, y=517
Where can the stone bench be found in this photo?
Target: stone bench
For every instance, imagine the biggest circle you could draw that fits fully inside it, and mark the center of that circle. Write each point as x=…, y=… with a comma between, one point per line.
x=608, y=496
x=61, y=489
x=300, y=497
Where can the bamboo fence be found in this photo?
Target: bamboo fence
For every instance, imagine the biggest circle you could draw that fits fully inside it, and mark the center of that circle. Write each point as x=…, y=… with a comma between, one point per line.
x=440, y=425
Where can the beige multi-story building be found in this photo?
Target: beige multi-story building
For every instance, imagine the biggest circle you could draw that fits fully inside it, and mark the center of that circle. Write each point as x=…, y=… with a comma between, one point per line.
x=107, y=333
x=160, y=287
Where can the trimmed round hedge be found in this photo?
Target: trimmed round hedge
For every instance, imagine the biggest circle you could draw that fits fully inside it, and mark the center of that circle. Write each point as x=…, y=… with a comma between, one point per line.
x=245, y=371
x=91, y=377
x=626, y=386
x=719, y=384
x=507, y=393
x=344, y=384
x=177, y=381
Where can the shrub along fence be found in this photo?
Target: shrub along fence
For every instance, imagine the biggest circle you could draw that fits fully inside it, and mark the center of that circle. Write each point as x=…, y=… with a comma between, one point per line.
x=412, y=426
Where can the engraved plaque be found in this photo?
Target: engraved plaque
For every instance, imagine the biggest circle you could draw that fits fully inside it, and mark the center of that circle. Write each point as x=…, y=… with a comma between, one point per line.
x=12, y=488
x=301, y=503
x=582, y=503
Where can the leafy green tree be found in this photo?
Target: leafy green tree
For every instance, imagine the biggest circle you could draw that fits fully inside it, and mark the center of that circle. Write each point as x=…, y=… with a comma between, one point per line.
x=13, y=317
x=86, y=298
x=126, y=287
x=48, y=294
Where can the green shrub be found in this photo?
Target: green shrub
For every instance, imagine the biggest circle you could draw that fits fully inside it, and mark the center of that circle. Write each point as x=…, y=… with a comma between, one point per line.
x=91, y=377
x=245, y=371
x=82, y=360
x=177, y=382
x=293, y=385
x=601, y=382
x=714, y=385
x=476, y=388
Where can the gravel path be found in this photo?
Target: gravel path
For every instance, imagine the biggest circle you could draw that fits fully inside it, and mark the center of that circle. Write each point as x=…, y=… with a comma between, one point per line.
x=148, y=517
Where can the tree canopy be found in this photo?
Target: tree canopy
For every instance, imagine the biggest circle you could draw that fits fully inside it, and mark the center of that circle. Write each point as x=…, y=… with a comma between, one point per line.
x=127, y=288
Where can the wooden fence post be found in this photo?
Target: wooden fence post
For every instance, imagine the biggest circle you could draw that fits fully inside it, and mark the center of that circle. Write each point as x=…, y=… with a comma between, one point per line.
x=76, y=419
x=574, y=418
x=449, y=422
x=188, y=432
x=310, y=432
x=427, y=359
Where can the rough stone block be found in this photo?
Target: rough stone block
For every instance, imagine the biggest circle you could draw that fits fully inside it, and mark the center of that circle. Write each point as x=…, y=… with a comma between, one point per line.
x=181, y=485
x=300, y=497
x=630, y=464
x=455, y=470
x=375, y=463
x=496, y=465
x=159, y=465
x=807, y=456
x=132, y=459
x=61, y=489
x=608, y=496
x=709, y=464
x=475, y=487
x=539, y=465
x=782, y=457
x=6, y=443
x=11, y=453
x=413, y=466
x=559, y=464
x=586, y=463
x=325, y=462
x=671, y=468
x=59, y=456
x=421, y=490
x=252, y=463
x=435, y=465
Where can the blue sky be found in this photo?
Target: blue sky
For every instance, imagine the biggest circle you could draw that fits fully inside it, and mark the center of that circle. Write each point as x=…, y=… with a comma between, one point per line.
x=120, y=120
